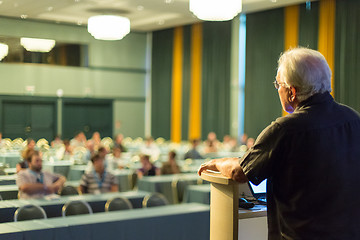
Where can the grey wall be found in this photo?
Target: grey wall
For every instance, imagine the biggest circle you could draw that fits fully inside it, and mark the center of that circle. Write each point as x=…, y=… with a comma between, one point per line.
x=117, y=70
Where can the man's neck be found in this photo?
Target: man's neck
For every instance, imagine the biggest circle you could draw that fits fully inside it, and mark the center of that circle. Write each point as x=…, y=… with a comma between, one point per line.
x=35, y=170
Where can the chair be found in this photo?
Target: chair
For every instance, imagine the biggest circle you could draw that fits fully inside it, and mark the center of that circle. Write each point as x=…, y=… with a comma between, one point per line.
x=68, y=190
x=154, y=200
x=117, y=203
x=77, y=207
x=29, y=212
x=133, y=180
x=178, y=187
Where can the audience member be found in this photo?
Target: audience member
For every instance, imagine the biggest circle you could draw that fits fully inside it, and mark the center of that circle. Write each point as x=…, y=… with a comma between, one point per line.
x=193, y=153
x=79, y=140
x=96, y=140
x=229, y=144
x=114, y=160
x=35, y=183
x=98, y=179
x=170, y=167
x=24, y=164
x=147, y=169
x=243, y=139
x=90, y=151
x=29, y=146
x=150, y=149
x=68, y=150
x=250, y=142
x=57, y=142
x=118, y=142
x=211, y=143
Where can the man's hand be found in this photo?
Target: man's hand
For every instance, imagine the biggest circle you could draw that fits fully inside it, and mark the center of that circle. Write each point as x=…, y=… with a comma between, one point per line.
x=229, y=167
x=210, y=165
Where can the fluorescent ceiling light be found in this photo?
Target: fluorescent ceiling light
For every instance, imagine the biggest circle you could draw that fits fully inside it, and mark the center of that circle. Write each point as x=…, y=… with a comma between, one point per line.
x=108, y=27
x=215, y=10
x=37, y=44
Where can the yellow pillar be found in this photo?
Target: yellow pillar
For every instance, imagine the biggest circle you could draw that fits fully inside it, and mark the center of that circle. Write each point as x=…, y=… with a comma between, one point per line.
x=195, y=89
x=326, y=40
x=176, y=89
x=291, y=29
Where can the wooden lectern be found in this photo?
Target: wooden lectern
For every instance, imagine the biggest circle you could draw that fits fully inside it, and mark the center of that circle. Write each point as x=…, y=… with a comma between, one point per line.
x=224, y=208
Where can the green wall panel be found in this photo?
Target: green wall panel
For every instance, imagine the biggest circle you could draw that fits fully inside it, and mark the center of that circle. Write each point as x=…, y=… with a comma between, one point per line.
x=161, y=76
x=264, y=43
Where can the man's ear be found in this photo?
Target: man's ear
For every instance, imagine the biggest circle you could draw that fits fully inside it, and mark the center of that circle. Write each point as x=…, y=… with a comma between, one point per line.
x=292, y=92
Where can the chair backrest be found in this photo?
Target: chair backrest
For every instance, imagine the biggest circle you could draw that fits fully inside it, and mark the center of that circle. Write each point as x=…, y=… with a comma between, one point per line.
x=118, y=203
x=76, y=207
x=154, y=200
x=133, y=180
x=69, y=190
x=29, y=212
x=179, y=186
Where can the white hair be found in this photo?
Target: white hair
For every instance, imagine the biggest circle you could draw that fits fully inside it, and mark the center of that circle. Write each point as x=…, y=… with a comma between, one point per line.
x=306, y=70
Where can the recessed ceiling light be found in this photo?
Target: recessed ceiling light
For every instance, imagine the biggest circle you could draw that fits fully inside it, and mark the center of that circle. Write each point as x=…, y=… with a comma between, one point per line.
x=50, y=9
x=274, y=1
x=140, y=8
x=24, y=16
x=168, y=1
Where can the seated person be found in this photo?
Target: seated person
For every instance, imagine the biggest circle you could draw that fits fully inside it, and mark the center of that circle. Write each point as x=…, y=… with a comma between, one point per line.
x=24, y=163
x=193, y=152
x=29, y=146
x=148, y=169
x=118, y=142
x=170, y=167
x=35, y=183
x=79, y=140
x=95, y=140
x=114, y=160
x=98, y=180
x=57, y=142
x=68, y=151
x=150, y=148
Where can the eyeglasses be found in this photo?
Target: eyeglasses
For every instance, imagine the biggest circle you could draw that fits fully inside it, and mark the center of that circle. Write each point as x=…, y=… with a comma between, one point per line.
x=277, y=85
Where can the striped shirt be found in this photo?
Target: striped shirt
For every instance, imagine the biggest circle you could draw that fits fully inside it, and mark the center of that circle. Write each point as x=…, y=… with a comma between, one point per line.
x=94, y=183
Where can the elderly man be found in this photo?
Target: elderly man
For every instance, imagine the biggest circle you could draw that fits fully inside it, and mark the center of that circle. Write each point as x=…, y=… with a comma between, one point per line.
x=310, y=157
x=35, y=183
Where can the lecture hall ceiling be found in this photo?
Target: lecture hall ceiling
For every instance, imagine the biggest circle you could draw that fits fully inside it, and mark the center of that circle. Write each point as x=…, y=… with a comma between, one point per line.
x=145, y=15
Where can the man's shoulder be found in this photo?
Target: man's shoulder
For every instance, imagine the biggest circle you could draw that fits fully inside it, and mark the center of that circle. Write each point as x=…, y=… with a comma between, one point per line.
x=24, y=172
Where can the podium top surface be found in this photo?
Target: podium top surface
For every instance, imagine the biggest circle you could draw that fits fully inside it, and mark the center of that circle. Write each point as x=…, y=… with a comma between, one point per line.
x=217, y=177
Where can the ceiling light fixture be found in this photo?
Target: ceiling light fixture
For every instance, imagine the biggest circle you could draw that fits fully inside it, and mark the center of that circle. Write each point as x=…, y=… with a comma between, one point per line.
x=215, y=10
x=4, y=50
x=37, y=44
x=108, y=27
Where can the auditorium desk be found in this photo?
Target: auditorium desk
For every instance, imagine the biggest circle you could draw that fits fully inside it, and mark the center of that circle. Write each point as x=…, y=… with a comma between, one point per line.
x=175, y=222
x=11, y=158
x=162, y=184
x=53, y=207
x=8, y=180
x=198, y=193
x=9, y=191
